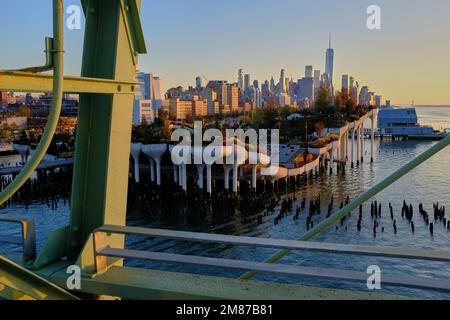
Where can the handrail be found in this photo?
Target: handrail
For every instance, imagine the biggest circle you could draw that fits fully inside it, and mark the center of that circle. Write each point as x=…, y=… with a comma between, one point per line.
x=28, y=239
x=55, y=110
x=48, y=59
x=388, y=252
x=288, y=270
x=102, y=250
x=336, y=217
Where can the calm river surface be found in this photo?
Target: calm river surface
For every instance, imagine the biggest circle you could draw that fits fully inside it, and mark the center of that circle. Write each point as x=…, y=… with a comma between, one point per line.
x=428, y=184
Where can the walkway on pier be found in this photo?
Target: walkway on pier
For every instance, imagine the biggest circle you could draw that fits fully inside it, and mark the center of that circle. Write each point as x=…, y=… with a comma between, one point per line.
x=43, y=166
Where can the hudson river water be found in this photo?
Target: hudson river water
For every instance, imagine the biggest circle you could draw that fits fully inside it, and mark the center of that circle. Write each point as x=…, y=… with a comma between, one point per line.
x=428, y=184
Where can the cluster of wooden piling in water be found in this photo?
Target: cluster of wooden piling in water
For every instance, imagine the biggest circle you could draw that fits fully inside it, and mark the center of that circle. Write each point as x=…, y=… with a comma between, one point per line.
x=223, y=204
x=408, y=214
x=314, y=209
x=439, y=215
x=169, y=201
x=286, y=207
x=46, y=187
x=53, y=187
x=299, y=209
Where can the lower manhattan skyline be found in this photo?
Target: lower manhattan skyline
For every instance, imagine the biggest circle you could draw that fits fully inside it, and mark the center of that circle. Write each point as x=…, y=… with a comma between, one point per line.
x=407, y=60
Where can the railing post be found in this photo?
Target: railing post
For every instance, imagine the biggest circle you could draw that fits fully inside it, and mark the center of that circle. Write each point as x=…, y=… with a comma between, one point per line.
x=28, y=236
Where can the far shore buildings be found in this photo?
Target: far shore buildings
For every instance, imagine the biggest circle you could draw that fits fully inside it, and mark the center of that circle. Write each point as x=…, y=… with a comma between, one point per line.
x=149, y=98
x=210, y=96
x=378, y=101
x=247, y=94
x=143, y=112
x=189, y=106
x=227, y=95
x=180, y=109
x=366, y=97
x=42, y=106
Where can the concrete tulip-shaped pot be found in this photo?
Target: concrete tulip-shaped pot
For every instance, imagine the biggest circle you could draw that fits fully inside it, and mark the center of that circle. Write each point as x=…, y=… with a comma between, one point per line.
x=136, y=149
x=155, y=152
x=23, y=150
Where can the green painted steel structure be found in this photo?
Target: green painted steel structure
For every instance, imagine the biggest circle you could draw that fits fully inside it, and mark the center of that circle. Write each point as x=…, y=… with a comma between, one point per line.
x=100, y=186
x=113, y=41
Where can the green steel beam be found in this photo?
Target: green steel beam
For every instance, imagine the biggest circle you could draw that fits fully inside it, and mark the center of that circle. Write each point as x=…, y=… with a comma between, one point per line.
x=14, y=279
x=30, y=82
x=130, y=13
x=55, y=248
x=9, y=293
x=335, y=218
x=130, y=10
x=100, y=185
x=142, y=284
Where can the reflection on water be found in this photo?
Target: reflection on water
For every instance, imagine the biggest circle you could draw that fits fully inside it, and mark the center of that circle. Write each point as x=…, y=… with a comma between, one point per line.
x=437, y=117
x=427, y=184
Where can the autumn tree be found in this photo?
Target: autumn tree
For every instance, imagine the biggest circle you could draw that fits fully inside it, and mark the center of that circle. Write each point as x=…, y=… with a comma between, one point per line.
x=257, y=117
x=24, y=111
x=324, y=103
x=270, y=118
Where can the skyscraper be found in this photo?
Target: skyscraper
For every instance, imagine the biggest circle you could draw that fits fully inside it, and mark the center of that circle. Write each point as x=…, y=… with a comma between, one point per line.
x=241, y=79
x=198, y=83
x=308, y=71
x=233, y=97
x=388, y=103
x=221, y=89
x=282, y=81
x=144, y=90
x=329, y=63
x=151, y=87
x=378, y=101
x=210, y=96
x=306, y=89
x=265, y=88
x=345, y=84
x=157, y=92
x=246, y=82
x=364, y=96
x=317, y=76
x=256, y=84
x=272, y=85
x=257, y=99
x=354, y=89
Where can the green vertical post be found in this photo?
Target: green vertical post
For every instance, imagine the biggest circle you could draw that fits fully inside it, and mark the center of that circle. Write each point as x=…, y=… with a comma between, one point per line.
x=100, y=184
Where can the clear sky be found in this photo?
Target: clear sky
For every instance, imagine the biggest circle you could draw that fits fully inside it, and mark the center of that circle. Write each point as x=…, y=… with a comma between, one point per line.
x=409, y=59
